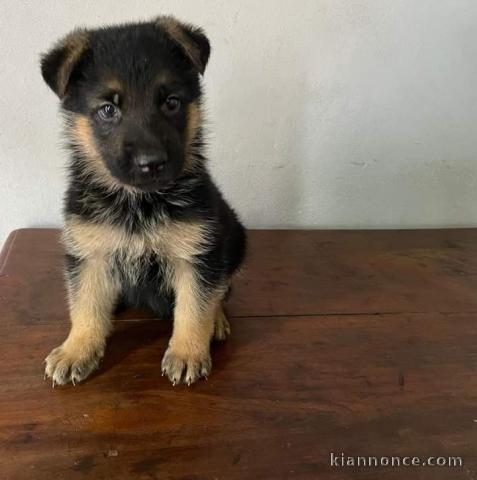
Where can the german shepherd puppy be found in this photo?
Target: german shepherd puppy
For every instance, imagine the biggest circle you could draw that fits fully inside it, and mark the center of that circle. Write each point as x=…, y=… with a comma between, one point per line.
x=145, y=226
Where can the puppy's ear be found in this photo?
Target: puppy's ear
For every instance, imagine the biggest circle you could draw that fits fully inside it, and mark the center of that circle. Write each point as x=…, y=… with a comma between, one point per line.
x=58, y=65
x=191, y=40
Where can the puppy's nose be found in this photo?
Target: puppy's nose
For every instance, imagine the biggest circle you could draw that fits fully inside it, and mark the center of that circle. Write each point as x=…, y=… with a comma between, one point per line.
x=151, y=161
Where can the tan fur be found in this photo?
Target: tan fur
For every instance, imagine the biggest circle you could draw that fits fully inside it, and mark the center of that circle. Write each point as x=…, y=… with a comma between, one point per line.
x=91, y=300
x=178, y=240
x=76, y=43
x=222, y=326
x=170, y=240
x=193, y=317
x=114, y=84
x=194, y=322
x=176, y=30
x=194, y=123
x=81, y=133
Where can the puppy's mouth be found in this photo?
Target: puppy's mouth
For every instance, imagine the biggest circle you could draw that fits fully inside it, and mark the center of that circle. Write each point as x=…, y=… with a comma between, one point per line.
x=150, y=178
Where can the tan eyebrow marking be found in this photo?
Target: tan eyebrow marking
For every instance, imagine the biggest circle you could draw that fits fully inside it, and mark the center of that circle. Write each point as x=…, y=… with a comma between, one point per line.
x=114, y=84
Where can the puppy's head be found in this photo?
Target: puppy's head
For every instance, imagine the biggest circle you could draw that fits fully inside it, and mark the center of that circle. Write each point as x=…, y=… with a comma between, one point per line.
x=131, y=94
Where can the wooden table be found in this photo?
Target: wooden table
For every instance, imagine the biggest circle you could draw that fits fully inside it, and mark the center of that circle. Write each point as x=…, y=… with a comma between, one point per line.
x=354, y=342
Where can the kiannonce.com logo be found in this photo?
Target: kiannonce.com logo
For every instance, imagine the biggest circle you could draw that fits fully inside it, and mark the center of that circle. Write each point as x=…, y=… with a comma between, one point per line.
x=342, y=460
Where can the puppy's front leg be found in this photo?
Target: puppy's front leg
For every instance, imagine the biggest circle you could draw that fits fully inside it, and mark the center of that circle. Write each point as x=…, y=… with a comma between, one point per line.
x=92, y=294
x=194, y=314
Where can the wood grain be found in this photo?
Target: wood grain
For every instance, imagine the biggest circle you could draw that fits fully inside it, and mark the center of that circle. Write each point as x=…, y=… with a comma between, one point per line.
x=354, y=342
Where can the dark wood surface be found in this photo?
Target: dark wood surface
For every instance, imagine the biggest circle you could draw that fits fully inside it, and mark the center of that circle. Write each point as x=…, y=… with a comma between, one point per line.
x=362, y=342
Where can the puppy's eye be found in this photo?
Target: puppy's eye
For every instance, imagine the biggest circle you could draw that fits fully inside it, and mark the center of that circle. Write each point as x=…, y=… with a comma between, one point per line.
x=172, y=105
x=108, y=112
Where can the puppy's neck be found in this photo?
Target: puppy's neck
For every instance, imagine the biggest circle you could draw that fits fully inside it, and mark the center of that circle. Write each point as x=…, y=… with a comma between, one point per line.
x=90, y=199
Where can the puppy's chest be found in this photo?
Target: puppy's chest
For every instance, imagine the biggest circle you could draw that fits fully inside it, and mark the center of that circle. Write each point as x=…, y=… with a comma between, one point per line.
x=162, y=242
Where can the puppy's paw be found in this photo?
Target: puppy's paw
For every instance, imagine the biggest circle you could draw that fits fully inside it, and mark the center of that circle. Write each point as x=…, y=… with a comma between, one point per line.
x=72, y=363
x=185, y=367
x=222, y=326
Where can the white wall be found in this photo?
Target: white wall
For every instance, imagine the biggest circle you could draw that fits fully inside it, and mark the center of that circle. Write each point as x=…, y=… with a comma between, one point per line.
x=325, y=113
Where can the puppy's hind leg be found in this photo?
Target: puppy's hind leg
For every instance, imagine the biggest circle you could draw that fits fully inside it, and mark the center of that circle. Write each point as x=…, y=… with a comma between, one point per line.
x=92, y=295
x=221, y=324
